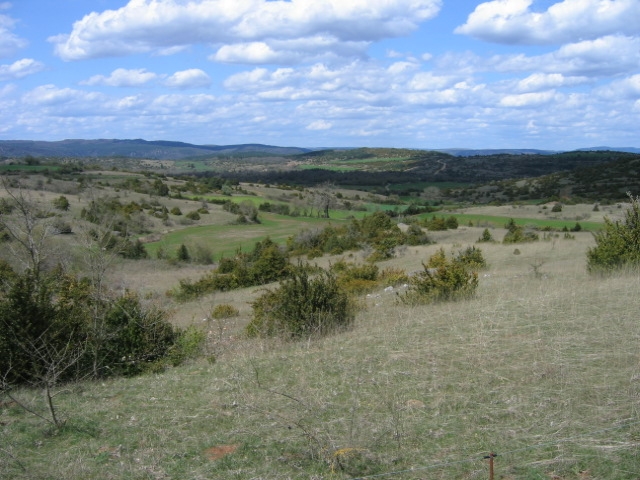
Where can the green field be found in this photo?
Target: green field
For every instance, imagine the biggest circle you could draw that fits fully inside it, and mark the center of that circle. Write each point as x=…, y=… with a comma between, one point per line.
x=225, y=240
x=500, y=221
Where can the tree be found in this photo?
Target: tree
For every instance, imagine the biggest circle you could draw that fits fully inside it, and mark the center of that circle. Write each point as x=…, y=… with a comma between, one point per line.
x=28, y=228
x=183, y=253
x=618, y=243
x=160, y=188
x=41, y=338
x=486, y=237
x=324, y=199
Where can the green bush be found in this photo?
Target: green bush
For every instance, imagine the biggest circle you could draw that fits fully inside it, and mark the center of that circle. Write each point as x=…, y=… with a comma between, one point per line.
x=416, y=236
x=266, y=263
x=618, y=243
x=486, y=237
x=391, y=277
x=224, y=310
x=303, y=305
x=133, y=249
x=472, y=258
x=188, y=344
x=58, y=321
x=182, y=254
x=61, y=203
x=138, y=338
x=356, y=279
x=517, y=234
x=194, y=215
x=449, y=280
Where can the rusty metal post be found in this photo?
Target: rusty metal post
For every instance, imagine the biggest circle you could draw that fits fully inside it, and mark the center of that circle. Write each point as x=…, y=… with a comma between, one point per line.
x=491, y=456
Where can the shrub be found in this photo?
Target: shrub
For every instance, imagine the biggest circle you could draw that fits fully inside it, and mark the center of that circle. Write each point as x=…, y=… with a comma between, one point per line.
x=195, y=216
x=472, y=257
x=416, y=236
x=303, y=305
x=61, y=203
x=557, y=208
x=224, y=310
x=188, y=344
x=392, y=276
x=356, y=279
x=517, y=234
x=182, y=253
x=176, y=211
x=265, y=264
x=138, y=338
x=201, y=254
x=133, y=250
x=618, y=243
x=486, y=237
x=450, y=280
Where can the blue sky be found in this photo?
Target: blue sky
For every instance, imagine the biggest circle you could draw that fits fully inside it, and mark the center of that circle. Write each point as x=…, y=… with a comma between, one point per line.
x=382, y=73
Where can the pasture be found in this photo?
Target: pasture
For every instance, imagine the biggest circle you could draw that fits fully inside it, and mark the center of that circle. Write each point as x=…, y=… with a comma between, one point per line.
x=541, y=367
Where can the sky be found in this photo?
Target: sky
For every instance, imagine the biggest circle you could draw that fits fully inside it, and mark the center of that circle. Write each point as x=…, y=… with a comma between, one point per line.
x=546, y=74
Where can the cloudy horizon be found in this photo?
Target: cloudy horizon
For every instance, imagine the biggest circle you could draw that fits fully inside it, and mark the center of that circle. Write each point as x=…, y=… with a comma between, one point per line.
x=546, y=74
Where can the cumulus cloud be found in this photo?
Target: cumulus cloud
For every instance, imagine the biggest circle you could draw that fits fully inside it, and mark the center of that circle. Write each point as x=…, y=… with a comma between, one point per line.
x=628, y=88
x=319, y=125
x=250, y=31
x=122, y=77
x=603, y=57
x=516, y=22
x=544, y=81
x=9, y=42
x=20, y=69
x=315, y=48
x=527, y=99
x=192, y=78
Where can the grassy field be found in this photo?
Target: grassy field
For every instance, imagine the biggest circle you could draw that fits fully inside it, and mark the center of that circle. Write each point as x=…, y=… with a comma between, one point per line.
x=541, y=368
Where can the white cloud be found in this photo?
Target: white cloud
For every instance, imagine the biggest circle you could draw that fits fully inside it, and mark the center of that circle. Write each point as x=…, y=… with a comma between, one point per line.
x=604, y=57
x=429, y=81
x=545, y=81
x=9, y=42
x=515, y=22
x=254, y=52
x=628, y=88
x=192, y=78
x=319, y=125
x=248, y=31
x=527, y=99
x=122, y=77
x=20, y=69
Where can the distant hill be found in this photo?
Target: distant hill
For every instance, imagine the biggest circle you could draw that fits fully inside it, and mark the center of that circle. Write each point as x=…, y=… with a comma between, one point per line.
x=172, y=150
x=467, y=152
x=612, y=149
x=137, y=148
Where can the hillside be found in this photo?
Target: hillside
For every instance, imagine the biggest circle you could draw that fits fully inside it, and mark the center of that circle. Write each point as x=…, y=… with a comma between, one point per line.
x=541, y=370
x=138, y=148
x=540, y=366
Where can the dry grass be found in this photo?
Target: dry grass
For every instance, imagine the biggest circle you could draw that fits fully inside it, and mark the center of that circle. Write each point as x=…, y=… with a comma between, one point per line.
x=542, y=368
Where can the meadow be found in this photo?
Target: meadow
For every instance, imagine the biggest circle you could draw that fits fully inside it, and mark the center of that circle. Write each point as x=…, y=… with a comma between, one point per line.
x=540, y=367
